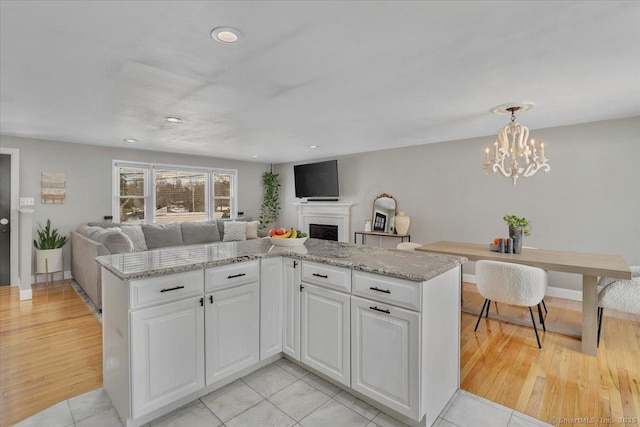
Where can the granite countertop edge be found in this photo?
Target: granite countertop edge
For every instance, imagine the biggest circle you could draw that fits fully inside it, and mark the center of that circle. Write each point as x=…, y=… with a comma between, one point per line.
x=447, y=262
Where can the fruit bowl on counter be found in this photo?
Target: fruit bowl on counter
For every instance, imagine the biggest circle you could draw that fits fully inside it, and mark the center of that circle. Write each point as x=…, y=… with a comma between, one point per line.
x=278, y=241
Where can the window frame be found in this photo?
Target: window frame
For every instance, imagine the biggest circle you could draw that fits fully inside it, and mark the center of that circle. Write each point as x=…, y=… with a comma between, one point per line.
x=150, y=187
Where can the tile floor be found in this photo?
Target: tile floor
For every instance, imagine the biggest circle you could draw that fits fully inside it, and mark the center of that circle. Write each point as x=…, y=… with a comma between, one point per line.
x=280, y=394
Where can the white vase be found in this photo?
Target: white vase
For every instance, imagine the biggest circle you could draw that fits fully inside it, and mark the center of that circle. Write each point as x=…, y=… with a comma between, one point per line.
x=402, y=223
x=48, y=260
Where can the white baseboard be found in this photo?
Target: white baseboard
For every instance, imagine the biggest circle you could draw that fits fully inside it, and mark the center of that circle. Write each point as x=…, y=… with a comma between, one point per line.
x=25, y=295
x=552, y=291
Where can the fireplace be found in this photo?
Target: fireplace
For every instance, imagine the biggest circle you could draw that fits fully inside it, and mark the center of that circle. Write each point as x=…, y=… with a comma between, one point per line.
x=337, y=215
x=323, y=231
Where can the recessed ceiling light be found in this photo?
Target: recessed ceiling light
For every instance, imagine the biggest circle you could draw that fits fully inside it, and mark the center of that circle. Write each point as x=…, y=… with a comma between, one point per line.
x=313, y=146
x=255, y=157
x=130, y=140
x=226, y=34
x=173, y=119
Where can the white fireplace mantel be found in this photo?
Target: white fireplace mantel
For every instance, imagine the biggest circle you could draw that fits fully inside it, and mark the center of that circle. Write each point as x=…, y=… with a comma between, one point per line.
x=326, y=213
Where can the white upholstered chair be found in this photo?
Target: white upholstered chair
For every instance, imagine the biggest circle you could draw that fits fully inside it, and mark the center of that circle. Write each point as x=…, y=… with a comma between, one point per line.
x=408, y=246
x=511, y=284
x=619, y=294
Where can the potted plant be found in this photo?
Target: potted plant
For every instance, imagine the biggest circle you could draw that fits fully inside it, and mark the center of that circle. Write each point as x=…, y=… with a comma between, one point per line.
x=49, y=249
x=517, y=227
x=270, y=209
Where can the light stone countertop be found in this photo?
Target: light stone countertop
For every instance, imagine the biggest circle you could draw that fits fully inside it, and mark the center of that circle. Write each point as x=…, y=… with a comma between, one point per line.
x=410, y=265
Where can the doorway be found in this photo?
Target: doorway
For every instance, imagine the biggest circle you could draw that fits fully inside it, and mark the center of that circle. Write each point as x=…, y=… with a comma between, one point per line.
x=9, y=203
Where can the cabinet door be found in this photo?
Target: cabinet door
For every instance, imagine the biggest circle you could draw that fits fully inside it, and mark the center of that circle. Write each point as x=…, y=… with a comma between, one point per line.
x=291, y=308
x=386, y=355
x=271, y=301
x=326, y=332
x=167, y=352
x=232, y=330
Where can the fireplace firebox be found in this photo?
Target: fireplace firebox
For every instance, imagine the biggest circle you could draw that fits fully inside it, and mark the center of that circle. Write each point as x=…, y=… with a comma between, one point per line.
x=323, y=231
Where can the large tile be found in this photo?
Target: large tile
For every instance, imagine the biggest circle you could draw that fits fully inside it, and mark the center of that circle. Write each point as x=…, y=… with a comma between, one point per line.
x=269, y=380
x=466, y=411
x=264, y=414
x=384, y=420
x=356, y=405
x=522, y=420
x=195, y=414
x=291, y=367
x=441, y=422
x=324, y=386
x=108, y=418
x=299, y=399
x=88, y=404
x=58, y=415
x=231, y=400
x=334, y=414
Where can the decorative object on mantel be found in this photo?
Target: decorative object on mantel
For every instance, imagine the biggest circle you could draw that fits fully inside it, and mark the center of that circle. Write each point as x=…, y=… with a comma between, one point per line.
x=514, y=155
x=402, y=223
x=270, y=209
x=517, y=227
x=49, y=250
x=53, y=188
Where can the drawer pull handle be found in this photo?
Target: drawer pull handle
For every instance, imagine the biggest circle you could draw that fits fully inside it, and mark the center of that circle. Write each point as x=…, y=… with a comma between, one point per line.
x=324, y=276
x=386, y=291
x=172, y=289
x=379, y=309
x=236, y=275
x=211, y=299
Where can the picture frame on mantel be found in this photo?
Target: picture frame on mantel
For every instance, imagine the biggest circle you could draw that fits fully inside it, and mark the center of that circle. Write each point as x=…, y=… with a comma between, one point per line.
x=379, y=222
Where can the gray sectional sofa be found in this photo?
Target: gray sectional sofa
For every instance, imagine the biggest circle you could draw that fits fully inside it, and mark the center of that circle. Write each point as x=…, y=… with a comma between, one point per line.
x=96, y=239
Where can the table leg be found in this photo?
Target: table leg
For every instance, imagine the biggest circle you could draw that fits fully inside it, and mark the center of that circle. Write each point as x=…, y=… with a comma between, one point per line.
x=589, y=314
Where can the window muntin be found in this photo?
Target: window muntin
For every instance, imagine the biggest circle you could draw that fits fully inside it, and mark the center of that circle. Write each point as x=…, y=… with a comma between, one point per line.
x=148, y=193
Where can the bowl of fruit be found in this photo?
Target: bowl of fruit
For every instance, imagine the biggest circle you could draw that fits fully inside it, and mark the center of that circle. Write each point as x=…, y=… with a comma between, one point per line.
x=287, y=237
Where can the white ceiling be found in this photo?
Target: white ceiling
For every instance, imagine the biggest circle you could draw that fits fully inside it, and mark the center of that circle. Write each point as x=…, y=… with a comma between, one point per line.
x=345, y=76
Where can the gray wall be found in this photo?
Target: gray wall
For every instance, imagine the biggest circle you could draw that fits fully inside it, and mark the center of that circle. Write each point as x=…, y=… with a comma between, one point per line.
x=588, y=202
x=88, y=171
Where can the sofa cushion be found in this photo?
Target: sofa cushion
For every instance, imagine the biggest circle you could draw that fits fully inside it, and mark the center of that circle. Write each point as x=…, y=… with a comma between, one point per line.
x=235, y=231
x=252, y=229
x=199, y=232
x=136, y=235
x=113, y=239
x=162, y=235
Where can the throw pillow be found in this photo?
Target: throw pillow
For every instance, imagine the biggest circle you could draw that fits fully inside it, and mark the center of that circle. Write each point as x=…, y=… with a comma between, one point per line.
x=234, y=231
x=252, y=229
x=162, y=235
x=199, y=232
x=136, y=235
x=116, y=241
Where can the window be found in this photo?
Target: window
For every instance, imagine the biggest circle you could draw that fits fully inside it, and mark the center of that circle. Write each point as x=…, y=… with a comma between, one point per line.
x=148, y=193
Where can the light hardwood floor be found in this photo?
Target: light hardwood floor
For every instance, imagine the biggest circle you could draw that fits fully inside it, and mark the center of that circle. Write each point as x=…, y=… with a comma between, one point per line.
x=51, y=349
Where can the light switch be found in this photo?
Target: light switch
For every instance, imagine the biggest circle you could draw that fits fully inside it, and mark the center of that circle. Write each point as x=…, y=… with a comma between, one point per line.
x=26, y=201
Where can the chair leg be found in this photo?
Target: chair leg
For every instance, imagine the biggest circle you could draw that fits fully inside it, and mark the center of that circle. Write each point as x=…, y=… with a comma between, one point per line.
x=545, y=307
x=534, y=327
x=600, y=312
x=544, y=328
x=480, y=315
x=488, y=307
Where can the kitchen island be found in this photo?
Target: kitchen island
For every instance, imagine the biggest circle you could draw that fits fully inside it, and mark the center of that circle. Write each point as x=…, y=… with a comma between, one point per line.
x=181, y=322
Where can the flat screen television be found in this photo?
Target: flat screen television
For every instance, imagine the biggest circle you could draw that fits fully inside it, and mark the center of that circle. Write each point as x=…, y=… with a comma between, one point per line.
x=317, y=180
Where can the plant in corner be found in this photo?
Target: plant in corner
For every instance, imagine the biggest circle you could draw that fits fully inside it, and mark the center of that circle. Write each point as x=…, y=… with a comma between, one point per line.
x=49, y=249
x=517, y=227
x=270, y=209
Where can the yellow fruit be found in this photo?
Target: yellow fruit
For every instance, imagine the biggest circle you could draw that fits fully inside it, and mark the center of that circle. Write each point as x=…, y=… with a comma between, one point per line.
x=294, y=234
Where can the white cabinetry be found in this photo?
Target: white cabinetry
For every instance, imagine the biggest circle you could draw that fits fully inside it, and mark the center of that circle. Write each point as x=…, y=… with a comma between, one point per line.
x=167, y=352
x=291, y=307
x=326, y=332
x=232, y=319
x=271, y=302
x=386, y=352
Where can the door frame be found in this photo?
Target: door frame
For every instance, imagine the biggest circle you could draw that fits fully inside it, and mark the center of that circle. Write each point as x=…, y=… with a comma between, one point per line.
x=14, y=216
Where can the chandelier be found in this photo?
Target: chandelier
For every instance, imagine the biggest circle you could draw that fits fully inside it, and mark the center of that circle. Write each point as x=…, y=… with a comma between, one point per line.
x=514, y=155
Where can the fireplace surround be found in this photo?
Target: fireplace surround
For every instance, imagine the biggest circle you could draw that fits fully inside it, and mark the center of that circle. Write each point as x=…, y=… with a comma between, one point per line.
x=326, y=213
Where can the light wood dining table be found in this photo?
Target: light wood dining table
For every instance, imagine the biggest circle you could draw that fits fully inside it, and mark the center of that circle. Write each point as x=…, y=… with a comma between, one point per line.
x=589, y=265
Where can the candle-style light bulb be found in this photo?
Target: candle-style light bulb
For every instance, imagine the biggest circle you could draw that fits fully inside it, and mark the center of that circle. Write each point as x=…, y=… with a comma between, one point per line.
x=486, y=154
x=542, y=150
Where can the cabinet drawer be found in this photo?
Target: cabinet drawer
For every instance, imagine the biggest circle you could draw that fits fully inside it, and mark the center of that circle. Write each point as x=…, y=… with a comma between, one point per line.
x=227, y=276
x=400, y=292
x=163, y=289
x=326, y=275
